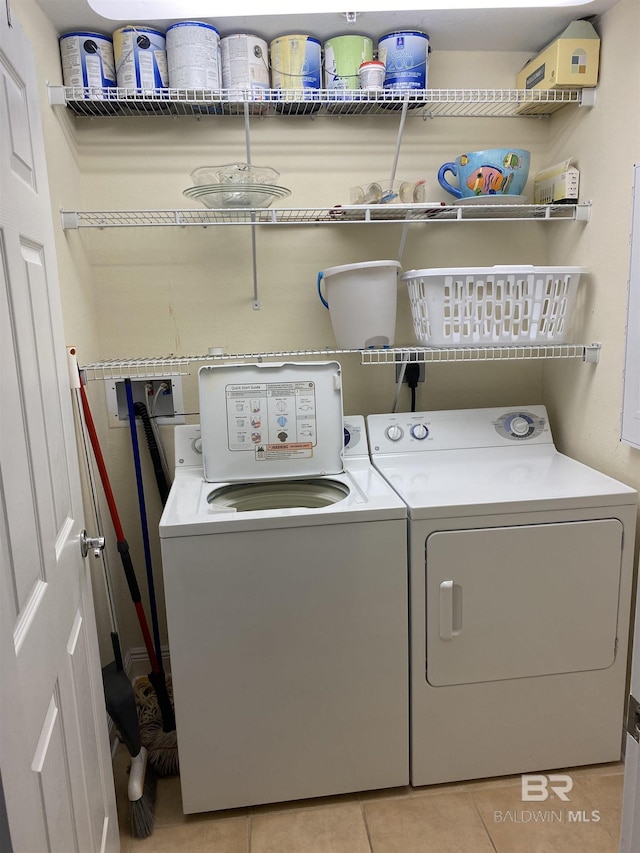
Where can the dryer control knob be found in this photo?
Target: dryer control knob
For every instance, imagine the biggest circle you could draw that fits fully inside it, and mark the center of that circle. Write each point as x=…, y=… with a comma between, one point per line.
x=394, y=432
x=520, y=426
x=197, y=445
x=419, y=431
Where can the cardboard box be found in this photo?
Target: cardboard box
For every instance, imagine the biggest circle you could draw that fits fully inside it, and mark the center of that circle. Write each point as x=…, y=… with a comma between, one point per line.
x=559, y=183
x=569, y=62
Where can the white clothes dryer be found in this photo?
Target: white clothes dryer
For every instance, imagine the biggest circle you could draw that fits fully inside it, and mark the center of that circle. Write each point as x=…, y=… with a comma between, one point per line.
x=287, y=600
x=520, y=576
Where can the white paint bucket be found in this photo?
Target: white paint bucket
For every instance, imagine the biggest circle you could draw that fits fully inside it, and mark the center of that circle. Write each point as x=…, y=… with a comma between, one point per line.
x=406, y=59
x=372, y=74
x=141, y=58
x=343, y=56
x=245, y=62
x=193, y=56
x=295, y=62
x=361, y=299
x=87, y=61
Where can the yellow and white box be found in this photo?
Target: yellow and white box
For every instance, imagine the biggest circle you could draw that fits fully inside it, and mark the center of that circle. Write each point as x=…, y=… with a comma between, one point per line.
x=557, y=184
x=570, y=61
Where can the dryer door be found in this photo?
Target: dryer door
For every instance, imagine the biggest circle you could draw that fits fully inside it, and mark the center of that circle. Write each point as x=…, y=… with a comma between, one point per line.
x=517, y=602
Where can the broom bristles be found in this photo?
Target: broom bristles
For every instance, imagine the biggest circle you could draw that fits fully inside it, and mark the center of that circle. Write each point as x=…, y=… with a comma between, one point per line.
x=142, y=795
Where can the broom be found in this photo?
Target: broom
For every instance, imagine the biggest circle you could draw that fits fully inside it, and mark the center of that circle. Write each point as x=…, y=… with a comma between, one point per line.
x=165, y=757
x=118, y=691
x=158, y=740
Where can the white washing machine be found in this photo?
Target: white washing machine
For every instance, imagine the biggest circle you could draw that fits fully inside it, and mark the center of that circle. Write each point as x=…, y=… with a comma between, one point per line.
x=286, y=595
x=520, y=576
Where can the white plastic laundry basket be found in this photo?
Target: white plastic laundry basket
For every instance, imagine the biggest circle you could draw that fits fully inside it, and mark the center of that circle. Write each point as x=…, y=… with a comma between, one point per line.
x=361, y=299
x=492, y=306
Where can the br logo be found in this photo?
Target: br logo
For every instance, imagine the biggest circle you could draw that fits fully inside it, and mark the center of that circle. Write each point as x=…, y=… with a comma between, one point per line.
x=536, y=787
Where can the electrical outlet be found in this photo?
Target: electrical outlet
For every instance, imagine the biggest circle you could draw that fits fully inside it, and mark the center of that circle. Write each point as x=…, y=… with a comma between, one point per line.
x=420, y=371
x=161, y=395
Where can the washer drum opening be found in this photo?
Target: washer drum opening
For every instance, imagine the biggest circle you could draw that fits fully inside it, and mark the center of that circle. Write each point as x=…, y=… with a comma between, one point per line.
x=281, y=494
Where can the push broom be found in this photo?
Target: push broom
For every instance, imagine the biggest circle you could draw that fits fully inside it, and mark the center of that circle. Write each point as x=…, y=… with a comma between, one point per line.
x=165, y=760
x=118, y=690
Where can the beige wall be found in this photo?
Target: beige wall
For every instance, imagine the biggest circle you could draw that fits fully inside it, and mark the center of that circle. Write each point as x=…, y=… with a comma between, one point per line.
x=585, y=401
x=144, y=291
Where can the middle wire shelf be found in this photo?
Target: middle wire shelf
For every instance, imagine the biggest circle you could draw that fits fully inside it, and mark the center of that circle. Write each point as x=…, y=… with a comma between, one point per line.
x=338, y=214
x=184, y=365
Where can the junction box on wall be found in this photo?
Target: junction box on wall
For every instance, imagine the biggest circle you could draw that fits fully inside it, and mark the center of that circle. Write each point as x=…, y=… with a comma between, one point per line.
x=162, y=397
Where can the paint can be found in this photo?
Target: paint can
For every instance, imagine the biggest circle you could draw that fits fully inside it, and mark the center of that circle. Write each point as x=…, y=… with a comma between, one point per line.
x=343, y=56
x=87, y=61
x=193, y=56
x=245, y=62
x=406, y=58
x=295, y=62
x=141, y=58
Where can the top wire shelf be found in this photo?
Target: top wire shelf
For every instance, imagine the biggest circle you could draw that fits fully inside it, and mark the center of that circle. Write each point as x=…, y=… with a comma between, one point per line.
x=421, y=103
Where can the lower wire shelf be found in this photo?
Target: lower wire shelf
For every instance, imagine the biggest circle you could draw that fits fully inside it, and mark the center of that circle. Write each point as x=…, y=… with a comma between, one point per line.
x=184, y=365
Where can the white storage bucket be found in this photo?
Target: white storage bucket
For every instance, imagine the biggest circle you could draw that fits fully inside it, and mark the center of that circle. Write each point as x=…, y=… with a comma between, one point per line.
x=492, y=306
x=361, y=299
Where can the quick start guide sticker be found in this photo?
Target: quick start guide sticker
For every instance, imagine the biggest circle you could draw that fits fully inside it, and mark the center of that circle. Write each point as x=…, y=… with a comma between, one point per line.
x=274, y=420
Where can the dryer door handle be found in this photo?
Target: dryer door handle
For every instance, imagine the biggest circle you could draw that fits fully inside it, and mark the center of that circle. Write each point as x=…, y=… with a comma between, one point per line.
x=450, y=610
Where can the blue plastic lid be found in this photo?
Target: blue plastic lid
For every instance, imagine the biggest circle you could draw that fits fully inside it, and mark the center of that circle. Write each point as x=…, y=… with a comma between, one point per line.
x=89, y=35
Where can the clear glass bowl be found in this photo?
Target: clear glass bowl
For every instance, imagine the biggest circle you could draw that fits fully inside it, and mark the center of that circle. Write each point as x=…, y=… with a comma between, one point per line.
x=222, y=196
x=234, y=173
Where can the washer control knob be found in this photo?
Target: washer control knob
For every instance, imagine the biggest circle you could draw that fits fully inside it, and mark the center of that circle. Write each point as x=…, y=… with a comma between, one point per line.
x=520, y=425
x=394, y=432
x=419, y=431
x=197, y=444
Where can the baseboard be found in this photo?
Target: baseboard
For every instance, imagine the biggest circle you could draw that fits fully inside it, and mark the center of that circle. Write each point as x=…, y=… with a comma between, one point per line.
x=136, y=662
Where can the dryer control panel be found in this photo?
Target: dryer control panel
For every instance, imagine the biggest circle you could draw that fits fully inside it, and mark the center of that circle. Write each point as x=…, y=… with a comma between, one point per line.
x=458, y=429
x=520, y=425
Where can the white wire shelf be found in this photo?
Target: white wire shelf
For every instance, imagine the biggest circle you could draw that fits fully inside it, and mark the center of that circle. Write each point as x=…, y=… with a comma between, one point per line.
x=184, y=365
x=423, y=103
x=338, y=214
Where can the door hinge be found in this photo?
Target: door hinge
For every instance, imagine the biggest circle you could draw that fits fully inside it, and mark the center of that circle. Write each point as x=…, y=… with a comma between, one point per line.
x=633, y=718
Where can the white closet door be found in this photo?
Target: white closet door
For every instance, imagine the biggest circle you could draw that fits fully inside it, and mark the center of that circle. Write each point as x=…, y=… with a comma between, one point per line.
x=54, y=751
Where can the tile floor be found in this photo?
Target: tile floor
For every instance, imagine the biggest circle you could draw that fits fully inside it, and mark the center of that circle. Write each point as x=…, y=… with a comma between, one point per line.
x=486, y=816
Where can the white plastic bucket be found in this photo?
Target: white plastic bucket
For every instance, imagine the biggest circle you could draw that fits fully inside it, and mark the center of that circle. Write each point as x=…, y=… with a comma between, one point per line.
x=406, y=59
x=193, y=56
x=245, y=62
x=141, y=58
x=87, y=61
x=361, y=299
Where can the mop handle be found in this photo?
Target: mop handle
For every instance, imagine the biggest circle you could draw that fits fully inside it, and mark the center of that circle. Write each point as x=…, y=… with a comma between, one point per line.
x=143, y=519
x=123, y=547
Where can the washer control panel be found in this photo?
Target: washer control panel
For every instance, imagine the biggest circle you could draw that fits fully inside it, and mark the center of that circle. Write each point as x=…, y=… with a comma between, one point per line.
x=188, y=442
x=457, y=429
x=355, y=436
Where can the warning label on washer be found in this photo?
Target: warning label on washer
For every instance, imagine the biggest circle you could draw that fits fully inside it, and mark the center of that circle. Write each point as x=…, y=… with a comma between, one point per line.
x=268, y=452
x=275, y=419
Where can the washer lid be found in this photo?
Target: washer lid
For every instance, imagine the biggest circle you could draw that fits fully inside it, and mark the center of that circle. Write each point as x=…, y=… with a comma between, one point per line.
x=271, y=421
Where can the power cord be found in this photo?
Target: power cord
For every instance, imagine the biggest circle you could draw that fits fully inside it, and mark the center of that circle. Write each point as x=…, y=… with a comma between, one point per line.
x=411, y=376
